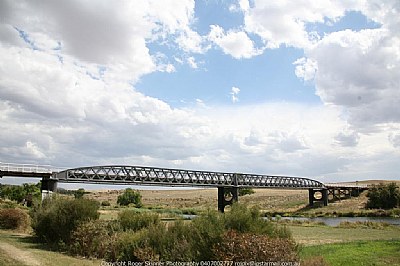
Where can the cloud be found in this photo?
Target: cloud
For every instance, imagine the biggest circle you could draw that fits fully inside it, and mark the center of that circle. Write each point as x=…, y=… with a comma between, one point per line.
x=68, y=97
x=347, y=138
x=107, y=35
x=359, y=72
x=192, y=62
x=234, y=43
x=305, y=68
x=234, y=94
x=394, y=139
x=191, y=42
x=285, y=22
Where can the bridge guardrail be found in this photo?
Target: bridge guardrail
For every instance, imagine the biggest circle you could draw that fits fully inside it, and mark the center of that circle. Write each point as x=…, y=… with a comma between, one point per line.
x=346, y=185
x=28, y=168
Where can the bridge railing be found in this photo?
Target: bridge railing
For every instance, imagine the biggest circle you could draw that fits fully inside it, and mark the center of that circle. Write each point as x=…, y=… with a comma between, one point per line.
x=27, y=168
x=346, y=185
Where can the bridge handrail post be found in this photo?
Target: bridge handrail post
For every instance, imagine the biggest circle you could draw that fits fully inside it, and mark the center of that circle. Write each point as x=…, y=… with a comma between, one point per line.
x=235, y=179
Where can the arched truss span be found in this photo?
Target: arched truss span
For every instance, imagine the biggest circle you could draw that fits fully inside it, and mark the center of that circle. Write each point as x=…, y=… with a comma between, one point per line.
x=119, y=174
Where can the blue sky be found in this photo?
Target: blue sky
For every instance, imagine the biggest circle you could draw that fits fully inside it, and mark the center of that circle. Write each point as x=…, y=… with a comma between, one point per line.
x=306, y=88
x=269, y=77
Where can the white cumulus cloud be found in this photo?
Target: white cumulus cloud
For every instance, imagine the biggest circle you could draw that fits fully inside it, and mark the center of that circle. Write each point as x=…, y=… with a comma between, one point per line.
x=234, y=43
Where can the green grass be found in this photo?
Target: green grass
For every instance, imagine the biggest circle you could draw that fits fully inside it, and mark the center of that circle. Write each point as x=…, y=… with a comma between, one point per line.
x=316, y=235
x=356, y=253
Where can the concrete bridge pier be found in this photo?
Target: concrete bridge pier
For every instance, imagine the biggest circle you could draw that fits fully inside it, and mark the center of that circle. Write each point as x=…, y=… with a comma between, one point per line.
x=318, y=195
x=48, y=186
x=227, y=196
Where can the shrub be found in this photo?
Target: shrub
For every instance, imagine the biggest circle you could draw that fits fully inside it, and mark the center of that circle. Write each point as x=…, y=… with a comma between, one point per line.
x=92, y=238
x=130, y=246
x=6, y=203
x=208, y=230
x=105, y=203
x=204, y=239
x=55, y=220
x=248, y=247
x=246, y=191
x=131, y=220
x=154, y=243
x=14, y=218
x=383, y=196
x=130, y=196
x=79, y=193
x=176, y=242
x=248, y=220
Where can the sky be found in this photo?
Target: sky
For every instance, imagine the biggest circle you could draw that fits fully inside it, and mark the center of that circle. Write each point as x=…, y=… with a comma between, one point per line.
x=300, y=88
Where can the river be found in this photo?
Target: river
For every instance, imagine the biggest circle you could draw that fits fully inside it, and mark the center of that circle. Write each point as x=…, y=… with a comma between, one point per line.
x=332, y=221
x=335, y=221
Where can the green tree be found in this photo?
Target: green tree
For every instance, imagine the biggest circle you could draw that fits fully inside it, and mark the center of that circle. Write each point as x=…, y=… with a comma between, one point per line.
x=383, y=196
x=28, y=192
x=130, y=196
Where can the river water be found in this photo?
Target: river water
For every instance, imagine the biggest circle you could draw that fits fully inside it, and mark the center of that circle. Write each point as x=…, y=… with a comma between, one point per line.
x=332, y=221
x=335, y=221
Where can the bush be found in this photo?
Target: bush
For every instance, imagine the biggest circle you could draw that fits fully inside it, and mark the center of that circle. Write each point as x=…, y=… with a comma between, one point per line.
x=79, y=193
x=175, y=243
x=246, y=191
x=105, y=203
x=383, y=196
x=208, y=231
x=131, y=246
x=14, y=218
x=131, y=220
x=92, y=238
x=130, y=196
x=203, y=239
x=248, y=220
x=54, y=221
x=248, y=247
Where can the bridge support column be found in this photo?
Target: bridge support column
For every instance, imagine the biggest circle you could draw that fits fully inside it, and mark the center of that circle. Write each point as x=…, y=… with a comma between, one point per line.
x=224, y=199
x=322, y=196
x=48, y=186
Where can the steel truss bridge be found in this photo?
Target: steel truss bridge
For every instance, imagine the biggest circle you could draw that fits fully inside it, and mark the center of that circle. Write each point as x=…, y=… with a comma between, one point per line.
x=227, y=183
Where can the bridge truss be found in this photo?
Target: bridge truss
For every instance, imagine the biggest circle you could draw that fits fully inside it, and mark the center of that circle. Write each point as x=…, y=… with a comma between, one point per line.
x=177, y=177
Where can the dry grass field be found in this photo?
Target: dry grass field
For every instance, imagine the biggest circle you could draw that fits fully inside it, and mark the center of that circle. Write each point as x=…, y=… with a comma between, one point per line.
x=268, y=200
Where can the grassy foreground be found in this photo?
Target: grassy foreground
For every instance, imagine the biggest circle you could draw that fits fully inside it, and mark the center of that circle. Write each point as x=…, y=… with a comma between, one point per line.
x=18, y=249
x=338, y=246
x=321, y=235
x=357, y=253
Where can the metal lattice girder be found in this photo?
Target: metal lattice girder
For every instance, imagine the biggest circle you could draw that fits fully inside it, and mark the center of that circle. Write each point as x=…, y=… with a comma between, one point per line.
x=178, y=177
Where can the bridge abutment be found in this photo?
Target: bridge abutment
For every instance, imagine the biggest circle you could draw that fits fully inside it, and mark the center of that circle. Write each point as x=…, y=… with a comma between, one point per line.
x=227, y=196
